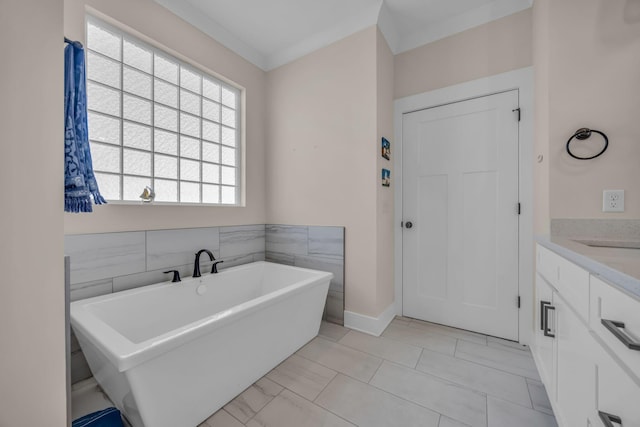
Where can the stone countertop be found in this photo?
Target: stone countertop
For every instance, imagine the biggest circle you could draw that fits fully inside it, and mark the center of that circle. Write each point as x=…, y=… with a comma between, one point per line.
x=619, y=267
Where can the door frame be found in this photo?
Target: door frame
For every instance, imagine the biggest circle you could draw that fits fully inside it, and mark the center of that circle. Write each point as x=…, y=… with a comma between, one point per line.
x=522, y=80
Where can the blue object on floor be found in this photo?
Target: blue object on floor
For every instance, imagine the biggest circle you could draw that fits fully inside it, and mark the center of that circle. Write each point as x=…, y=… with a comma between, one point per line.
x=109, y=417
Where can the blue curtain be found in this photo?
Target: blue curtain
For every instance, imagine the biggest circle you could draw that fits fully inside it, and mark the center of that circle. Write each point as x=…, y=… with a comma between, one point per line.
x=80, y=184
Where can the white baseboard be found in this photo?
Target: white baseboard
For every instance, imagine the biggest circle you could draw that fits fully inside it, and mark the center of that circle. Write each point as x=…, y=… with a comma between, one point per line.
x=367, y=324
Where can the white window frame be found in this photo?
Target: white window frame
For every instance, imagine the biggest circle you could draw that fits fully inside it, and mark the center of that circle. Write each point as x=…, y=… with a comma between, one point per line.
x=183, y=63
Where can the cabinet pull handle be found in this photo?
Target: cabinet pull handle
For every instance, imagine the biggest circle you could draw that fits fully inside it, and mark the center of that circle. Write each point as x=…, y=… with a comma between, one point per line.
x=547, y=331
x=608, y=419
x=542, y=304
x=616, y=329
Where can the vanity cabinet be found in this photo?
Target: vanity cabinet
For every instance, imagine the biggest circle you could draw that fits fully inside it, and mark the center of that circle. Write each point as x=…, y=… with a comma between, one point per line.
x=589, y=373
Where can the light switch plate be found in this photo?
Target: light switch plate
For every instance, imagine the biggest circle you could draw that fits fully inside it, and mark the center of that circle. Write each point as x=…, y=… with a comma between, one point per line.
x=613, y=201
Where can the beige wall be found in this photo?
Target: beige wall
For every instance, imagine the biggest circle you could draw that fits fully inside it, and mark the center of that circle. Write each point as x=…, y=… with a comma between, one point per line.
x=594, y=81
x=32, y=359
x=493, y=48
x=153, y=21
x=541, y=45
x=385, y=195
x=322, y=154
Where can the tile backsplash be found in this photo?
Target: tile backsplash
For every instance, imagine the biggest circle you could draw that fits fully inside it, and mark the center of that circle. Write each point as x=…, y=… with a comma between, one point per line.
x=318, y=248
x=596, y=229
x=112, y=262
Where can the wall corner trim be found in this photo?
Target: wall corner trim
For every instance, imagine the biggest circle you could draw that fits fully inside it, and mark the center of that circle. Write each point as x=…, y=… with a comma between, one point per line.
x=367, y=324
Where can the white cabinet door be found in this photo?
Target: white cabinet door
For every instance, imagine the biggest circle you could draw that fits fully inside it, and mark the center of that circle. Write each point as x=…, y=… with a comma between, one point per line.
x=576, y=379
x=618, y=394
x=544, y=345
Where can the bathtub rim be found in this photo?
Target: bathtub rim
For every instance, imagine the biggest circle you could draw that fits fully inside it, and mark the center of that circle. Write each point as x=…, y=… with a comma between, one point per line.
x=125, y=354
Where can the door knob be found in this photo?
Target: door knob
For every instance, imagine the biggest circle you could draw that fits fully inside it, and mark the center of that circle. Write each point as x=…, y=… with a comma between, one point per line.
x=408, y=224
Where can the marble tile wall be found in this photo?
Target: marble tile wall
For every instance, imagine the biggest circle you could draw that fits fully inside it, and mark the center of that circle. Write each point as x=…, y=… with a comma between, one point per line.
x=319, y=248
x=113, y=262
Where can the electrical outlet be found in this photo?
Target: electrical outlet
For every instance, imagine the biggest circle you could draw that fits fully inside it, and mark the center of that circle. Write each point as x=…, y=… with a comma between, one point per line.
x=613, y=201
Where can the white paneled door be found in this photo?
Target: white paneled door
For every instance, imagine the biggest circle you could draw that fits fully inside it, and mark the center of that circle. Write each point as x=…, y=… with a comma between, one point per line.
x=460, y=212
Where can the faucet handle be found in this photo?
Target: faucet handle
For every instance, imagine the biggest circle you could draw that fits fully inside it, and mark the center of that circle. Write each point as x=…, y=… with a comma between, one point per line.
x=176, y=275
x=214, y=266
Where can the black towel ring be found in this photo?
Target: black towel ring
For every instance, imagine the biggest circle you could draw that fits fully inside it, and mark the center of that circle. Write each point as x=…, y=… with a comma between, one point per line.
x=585, y=133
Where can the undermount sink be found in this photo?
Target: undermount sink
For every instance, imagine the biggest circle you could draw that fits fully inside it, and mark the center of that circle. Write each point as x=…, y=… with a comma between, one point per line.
x=621, y=244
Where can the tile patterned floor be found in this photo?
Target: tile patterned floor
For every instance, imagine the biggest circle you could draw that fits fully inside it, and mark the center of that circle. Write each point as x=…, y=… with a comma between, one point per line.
x=415, y=374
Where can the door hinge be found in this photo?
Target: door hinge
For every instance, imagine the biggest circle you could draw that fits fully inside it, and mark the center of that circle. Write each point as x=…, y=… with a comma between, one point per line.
x=518, y=301
x=519, y=208
x=519, y=112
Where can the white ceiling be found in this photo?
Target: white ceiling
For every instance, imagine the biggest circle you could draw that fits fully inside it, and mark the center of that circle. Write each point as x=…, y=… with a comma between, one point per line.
x=270, y=33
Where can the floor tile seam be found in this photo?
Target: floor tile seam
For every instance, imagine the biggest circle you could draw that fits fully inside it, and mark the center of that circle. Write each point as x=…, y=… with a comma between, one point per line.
x=494, y=368
x=482, y=394
x=313, y=402
x=518, y=355
x=392, y=395
x=335, y=370
x=467, y=387
x=533, y=409
x=420, y=346
x=325, y=386
x=529, y=392
x=415, y=368
x=257, y=412
x=445, y=334
x=384, y=358
x=441, y=332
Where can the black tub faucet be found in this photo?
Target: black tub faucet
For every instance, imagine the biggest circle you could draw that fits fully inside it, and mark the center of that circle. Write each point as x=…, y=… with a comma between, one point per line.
x=196, y=267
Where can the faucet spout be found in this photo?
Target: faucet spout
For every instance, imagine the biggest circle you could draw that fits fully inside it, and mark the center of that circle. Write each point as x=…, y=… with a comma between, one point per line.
x=196, y=267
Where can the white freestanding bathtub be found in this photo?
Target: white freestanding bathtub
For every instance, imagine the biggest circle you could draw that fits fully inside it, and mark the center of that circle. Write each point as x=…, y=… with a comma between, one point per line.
x=171, y=354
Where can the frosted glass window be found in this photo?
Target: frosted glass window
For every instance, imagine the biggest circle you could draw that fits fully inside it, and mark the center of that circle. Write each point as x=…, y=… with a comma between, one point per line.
x=190, y=80
x=189, y=147
x=165, y=93
x=165, y=142
x=165, y=166
x=136, y=109
x=133, y=186
x=103, y=70
x=156, y=120
x=228, y=136
x=137, y=56
x=104, y=129
x=166, y=191
x=211, y=89
x=136, y=162
x=210, y=193
x=136, y=82
x=228, y=97
x=210, y=173
x=228, y=175
x=100, y=39
x=109, y=186
x=106, y=158
x=229, y=156
x=210, y=110
x=228, y=195
x=189, y=170
x=165, y=69
x=210, y=131
x=190, y=102
x=103, y=99
x=210, y=152
x=189, y=192
x=228, y=117
x=136, y=136
x=165, y=117
x=189, y=125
